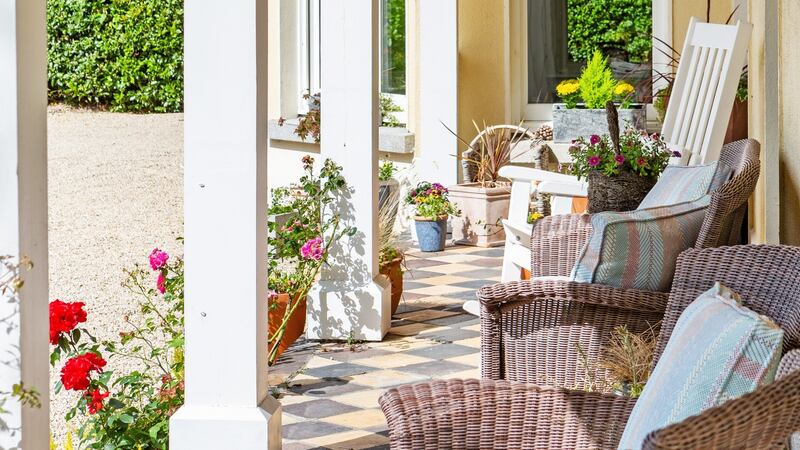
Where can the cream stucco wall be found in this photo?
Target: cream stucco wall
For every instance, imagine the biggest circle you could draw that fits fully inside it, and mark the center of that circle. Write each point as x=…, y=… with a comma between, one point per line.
x=789, y=151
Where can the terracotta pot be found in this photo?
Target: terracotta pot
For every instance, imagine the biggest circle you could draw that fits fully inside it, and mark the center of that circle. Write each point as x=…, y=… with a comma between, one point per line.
x=394, y=270
x=482, y=212
x=295, y=327
x=737, y=126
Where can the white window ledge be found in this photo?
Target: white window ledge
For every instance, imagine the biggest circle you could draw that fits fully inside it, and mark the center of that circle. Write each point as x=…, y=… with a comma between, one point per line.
x=390, y=139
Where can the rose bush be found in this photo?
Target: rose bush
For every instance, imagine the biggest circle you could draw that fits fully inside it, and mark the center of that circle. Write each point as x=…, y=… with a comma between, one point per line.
x=299, y=246
x=125, y=409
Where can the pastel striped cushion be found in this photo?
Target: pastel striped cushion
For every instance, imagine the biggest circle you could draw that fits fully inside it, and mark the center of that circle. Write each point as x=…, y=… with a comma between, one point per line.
x=680, y=184
x=639, y=249
x=719, y=350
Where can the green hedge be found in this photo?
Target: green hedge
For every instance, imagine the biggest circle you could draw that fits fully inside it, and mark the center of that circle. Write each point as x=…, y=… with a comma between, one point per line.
x=125, y=55
x=611, y=26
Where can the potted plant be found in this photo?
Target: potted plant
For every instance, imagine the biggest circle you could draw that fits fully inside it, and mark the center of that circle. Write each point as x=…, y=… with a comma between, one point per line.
x=390, y=256
x=484, y=200
x=432, y=208
x=389, y=189
x=582, y=111
x=298, y=248
x=621, y=169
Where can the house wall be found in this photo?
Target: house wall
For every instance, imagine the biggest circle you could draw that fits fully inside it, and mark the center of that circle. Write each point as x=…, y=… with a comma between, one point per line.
x=789, y=151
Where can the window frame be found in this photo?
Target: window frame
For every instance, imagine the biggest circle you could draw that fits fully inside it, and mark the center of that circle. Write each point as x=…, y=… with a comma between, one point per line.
x=662, y=30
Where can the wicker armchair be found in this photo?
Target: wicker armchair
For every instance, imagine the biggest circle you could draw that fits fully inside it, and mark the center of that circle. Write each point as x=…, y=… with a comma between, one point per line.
x=557, y=241
x=509, y=414
x=524, y=323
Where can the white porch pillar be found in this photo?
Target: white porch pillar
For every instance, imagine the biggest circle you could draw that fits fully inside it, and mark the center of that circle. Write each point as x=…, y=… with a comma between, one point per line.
x=351, y=297
x=23, y=214
x=438, y=91
x=225, y=187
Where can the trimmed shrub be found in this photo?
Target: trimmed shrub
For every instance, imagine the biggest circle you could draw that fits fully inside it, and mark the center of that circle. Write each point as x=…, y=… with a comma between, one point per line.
x=612, y=26
x=124, y=55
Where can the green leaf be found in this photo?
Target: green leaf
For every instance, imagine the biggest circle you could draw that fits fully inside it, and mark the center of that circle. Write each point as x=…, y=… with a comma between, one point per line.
x=126, y=418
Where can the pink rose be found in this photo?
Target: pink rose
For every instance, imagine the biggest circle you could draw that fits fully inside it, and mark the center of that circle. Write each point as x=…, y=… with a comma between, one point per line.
x=158, y=258
x=160, y=283
x=312, y=249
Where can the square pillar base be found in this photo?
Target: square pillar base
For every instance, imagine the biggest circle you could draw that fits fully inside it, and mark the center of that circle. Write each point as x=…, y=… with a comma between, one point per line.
x=338, y=312
x=242, y=428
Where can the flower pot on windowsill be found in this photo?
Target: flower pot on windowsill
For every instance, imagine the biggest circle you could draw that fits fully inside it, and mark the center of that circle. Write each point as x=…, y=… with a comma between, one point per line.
x=623, y=192
x=431, y=233
x=295, y=327
x=572, y=123
x=482, y=212
x=394, y=271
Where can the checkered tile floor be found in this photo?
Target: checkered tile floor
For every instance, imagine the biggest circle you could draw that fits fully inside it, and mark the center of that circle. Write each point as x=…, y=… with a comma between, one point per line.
x=330, y=391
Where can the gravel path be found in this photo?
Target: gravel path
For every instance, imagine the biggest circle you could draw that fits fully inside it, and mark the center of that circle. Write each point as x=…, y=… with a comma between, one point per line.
x=116, y=191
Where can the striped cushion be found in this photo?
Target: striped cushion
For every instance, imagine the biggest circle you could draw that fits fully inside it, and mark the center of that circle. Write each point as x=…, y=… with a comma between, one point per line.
x=719, y=350
x=638, y=249
x=680, y=184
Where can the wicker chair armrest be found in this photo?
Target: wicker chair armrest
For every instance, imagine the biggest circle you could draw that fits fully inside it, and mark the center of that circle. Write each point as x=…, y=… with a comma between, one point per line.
x=492, y=296
x=557, y=242
x=478, y=414
x=761, y=419
x=789, y=363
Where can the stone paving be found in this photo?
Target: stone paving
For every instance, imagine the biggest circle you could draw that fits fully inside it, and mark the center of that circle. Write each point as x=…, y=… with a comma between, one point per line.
x=330, y=391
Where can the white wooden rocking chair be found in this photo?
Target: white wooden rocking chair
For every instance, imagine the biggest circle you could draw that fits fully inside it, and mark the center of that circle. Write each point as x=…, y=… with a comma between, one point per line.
x=695, y=124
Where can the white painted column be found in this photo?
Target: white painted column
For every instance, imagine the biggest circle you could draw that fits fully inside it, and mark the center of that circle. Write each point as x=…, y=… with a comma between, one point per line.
x=438, y=91
x=225, y=186
x=23, y=214
x=352, y=298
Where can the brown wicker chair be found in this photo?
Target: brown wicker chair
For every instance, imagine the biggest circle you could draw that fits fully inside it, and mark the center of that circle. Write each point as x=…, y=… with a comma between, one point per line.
x=508, y=414
x=525, y=323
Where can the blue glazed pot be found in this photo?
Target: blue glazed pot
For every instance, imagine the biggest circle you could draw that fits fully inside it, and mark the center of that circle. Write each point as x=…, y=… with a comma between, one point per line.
x=431, y=234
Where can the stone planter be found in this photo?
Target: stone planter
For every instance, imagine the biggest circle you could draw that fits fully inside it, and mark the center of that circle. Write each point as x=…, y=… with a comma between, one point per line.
x=431, y=233
x=295, y=327
x=482, y=212
x=386, y=190
x=394, y=271
x=569, y=124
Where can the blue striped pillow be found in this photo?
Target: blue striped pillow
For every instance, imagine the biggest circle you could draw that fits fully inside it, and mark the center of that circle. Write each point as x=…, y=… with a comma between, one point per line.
x=719, y=350
x=680, y=184
x=639, y=249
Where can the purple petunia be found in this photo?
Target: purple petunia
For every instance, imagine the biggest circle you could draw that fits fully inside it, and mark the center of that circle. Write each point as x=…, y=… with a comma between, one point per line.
x=619, y=159
x=676, y=154
x=594, y=139
x=594, y=160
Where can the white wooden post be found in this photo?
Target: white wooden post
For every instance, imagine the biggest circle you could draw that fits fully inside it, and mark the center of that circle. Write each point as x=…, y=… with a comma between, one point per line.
x=225, y=187
x=352, y=298
x=438, y=91
x=23, y=215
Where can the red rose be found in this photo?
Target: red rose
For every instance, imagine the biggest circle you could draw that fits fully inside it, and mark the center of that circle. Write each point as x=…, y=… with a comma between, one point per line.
x=75, y=373
x=94, y=400
x=64, y=317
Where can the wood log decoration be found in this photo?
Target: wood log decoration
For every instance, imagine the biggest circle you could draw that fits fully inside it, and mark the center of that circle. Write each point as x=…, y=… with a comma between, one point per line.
x=613, y=125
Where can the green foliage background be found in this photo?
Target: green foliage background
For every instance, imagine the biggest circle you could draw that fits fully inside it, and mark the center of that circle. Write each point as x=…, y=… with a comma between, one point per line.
x=610, y=26
x=126, y=55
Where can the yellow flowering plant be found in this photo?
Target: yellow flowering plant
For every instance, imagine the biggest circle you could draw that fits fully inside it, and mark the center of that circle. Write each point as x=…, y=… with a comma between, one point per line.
x=569, y=92
x=624, y=94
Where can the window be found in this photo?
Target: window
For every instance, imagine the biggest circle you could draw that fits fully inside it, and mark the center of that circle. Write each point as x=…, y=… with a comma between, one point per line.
x=561, y=35
x=392, y=54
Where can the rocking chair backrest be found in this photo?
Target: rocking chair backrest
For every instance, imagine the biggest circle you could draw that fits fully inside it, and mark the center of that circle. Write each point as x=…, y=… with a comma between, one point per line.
x=704, y=89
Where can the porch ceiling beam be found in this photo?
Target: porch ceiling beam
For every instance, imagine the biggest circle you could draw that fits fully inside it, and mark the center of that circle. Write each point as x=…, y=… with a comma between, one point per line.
x=351, y=298
x=225, y=187
x=23, y=215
